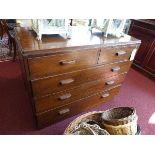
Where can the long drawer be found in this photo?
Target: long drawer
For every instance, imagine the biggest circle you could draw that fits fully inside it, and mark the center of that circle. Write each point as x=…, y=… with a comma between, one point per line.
x=61, y=63
x=52, y=116
x=70, y=80
x=114, y=54
x=65, y=97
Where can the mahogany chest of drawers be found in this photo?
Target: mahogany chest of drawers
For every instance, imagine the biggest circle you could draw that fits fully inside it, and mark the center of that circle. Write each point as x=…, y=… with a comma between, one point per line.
x=67, y=76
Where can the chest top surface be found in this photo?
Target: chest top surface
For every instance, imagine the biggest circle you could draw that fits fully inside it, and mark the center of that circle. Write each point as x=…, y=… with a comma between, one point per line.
x=81, y=37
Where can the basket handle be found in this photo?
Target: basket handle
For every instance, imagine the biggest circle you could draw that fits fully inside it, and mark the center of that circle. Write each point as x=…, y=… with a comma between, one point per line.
x=86, y=126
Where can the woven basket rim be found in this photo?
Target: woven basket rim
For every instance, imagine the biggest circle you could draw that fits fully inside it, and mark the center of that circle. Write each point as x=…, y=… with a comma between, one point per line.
x=119, y=121
x=80, y=117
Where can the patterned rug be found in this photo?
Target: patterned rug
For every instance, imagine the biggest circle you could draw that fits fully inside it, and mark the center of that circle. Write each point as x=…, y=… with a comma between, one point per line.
x=4, y=50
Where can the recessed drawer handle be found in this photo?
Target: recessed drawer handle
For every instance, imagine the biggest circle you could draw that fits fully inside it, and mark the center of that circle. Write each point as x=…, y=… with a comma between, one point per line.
x=65, y=62
x=65, y=96
x=121, y=53
x=115, y=68
x=105, y=95
x=66, y=81
x=110, y=82
x=61, y=112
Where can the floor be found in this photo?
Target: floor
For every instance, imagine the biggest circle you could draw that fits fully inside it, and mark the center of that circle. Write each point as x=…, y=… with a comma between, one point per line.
x=16, y=115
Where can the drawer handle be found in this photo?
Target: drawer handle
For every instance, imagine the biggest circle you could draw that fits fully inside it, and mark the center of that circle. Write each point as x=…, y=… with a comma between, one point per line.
x=65, y=62
x=105, y=95
x=115, y=68
x=61, y=112
x=66, y=81
x=65, y=96
x=110, y=82
x=121, y=53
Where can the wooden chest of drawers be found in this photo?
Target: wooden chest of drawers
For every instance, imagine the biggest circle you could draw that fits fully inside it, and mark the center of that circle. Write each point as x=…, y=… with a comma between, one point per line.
x=65, y=77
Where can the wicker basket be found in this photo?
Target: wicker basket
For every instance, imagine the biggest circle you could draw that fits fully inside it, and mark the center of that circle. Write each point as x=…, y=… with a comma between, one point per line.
x=120, y=121
x=91, y=117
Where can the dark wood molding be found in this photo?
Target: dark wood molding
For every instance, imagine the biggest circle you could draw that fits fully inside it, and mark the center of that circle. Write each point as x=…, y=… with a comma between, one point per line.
x=145, y=57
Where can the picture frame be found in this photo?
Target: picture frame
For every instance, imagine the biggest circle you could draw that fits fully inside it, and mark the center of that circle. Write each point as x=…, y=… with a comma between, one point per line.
x=114, y=27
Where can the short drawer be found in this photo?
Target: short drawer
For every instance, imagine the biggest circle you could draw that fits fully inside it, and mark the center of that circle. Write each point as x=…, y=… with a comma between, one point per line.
x=59, y=99
x=70, y=80
x=52, y=116
x=114, y=54
x=61, y=63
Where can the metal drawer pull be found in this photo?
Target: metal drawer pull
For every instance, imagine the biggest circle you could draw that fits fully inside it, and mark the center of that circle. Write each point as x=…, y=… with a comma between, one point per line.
x=61, y=112
x=115, y=68
x=121, y=53
x=65, y=62
x=110, y=82
x=66, y=81
x=65, y=96
x=105, y=95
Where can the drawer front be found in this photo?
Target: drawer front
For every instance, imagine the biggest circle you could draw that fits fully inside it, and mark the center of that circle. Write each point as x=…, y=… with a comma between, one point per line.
x=115, y=54
x=70, y=80
x=49, y=117
x=61, y=63
x=59, y=99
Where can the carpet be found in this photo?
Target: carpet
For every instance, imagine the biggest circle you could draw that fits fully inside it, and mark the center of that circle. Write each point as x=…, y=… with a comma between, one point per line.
x=16, y=115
